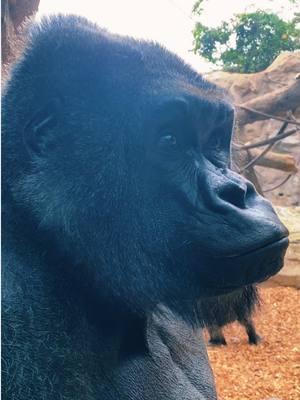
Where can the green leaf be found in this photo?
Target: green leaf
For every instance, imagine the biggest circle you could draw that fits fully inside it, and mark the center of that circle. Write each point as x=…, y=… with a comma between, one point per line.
x=249, y=43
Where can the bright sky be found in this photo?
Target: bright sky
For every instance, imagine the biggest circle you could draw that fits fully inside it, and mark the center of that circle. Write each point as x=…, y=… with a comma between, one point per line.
x=166, y=21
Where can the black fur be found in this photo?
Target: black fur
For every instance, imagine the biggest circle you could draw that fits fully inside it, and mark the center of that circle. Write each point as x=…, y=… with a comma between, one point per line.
x=228, y=308
x=216, y=312
x=118, y=199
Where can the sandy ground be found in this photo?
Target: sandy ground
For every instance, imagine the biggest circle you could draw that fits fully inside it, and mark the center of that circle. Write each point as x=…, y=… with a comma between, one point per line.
x=271, y=370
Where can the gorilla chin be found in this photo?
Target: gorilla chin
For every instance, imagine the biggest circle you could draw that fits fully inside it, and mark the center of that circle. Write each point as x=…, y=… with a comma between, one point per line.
x=255, y=266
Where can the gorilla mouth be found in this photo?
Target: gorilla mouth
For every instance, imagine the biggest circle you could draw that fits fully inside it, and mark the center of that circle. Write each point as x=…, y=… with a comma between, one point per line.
x=283, y=242
x=256, y=265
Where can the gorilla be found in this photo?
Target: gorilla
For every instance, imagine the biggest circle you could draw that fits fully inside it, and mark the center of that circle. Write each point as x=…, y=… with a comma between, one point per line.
x=120, y=212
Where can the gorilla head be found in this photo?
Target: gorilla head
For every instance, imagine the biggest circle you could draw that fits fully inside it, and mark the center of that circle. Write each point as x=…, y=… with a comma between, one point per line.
x=118, y=155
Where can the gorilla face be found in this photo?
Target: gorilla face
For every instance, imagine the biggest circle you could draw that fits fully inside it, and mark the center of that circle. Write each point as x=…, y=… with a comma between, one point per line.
x=229, y=234
x=121, y=159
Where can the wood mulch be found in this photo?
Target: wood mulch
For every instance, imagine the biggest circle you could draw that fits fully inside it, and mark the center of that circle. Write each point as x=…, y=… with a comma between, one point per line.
x=271, y=370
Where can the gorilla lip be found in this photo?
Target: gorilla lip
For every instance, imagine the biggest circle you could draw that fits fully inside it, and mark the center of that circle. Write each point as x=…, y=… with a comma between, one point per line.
x=272, y=256
x=283, y=242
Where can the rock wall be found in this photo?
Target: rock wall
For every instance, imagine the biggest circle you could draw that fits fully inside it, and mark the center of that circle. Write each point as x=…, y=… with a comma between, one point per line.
x=244, y=87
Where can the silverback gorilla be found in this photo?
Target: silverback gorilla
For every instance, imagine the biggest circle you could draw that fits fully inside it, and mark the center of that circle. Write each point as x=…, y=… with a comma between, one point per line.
x=120, y=211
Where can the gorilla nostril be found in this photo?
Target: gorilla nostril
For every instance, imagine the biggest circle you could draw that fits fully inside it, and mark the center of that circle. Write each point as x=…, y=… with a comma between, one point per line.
x=224, y=188
x=234, y=193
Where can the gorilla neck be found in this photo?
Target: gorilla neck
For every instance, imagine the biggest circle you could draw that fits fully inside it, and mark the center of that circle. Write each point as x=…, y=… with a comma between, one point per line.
x=160, y=351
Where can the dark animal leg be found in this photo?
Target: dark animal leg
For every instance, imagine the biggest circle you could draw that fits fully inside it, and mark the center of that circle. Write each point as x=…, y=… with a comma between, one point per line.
x=248, y=324
x=216, y=336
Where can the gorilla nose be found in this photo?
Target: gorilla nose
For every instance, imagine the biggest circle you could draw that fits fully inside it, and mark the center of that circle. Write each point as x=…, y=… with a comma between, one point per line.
x=226, y=188
x=233, y=193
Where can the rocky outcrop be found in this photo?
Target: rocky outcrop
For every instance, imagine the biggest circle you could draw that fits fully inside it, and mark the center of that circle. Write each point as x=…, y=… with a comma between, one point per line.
x=277, y=90
x=244, y=87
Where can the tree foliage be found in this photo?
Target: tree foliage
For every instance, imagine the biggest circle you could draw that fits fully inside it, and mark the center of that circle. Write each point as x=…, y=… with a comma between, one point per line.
x=248, y=43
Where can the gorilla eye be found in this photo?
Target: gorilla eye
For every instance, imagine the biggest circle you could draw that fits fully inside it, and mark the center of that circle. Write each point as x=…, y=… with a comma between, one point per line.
x=167, y=140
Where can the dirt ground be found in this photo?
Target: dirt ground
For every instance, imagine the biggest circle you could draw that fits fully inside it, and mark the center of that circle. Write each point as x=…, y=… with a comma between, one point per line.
x=271, y=370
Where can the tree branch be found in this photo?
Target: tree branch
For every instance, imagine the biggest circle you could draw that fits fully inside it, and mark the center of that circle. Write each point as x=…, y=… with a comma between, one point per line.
x=283, y=162
x=266, y=150
x=270, y=140
x=269, y=105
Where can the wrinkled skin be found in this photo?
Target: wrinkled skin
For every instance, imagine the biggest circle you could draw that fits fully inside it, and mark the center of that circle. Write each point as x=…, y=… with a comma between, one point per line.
x=120, y=211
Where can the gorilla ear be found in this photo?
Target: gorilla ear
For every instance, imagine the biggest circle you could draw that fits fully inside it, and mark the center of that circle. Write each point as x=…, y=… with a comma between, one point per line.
x=38, y=132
